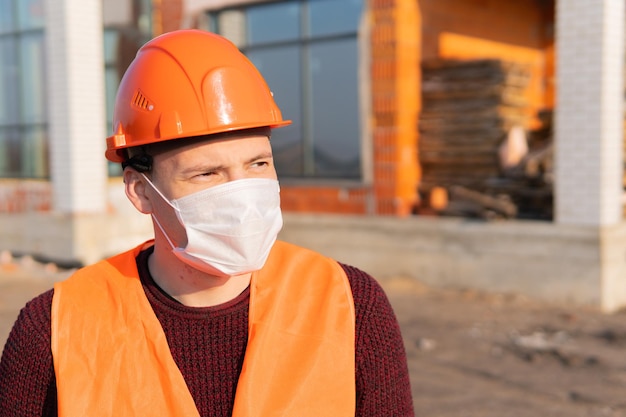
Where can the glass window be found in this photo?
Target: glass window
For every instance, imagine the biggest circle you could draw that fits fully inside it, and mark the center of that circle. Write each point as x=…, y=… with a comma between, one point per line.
x=144, y=17
x=24, y=152
x=273, y=22
x=34, y=152
x=333, y=17
x=7, y=15
x=111, y=82
x=23, y=116
x=111, y=78
x=9, y=98
x=30, y=14
x=334, y=109
x=10, y=155
x=32, y=88
x=110, y=38
x=307, y=51
x=111, y=74
x=281, y=67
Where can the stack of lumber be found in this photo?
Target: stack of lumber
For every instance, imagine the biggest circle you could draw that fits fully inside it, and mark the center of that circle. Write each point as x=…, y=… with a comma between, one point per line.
x=467, y=109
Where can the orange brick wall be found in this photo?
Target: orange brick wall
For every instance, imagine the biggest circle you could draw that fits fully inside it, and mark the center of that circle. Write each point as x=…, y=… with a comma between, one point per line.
x=518, y=30
x=324, y=199
x=512, y=22
x=395, y=50
x=20, y=196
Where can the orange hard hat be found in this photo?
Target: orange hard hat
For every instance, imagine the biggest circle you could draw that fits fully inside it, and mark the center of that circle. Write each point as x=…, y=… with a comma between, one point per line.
x=188, y=83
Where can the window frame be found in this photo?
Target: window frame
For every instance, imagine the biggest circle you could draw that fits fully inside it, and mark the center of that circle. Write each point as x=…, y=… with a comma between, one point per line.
x=304, y=42
x=29, y=142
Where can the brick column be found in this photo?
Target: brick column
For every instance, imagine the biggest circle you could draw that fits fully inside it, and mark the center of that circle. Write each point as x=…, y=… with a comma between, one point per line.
x=395, y=54
x=589, y=112
x=76, y=105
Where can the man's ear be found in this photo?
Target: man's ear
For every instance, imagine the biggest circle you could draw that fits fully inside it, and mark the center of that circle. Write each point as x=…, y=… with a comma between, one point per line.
x=136, y=187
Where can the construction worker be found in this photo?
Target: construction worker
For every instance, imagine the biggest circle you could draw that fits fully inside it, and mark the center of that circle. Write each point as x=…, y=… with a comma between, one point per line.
x=214, y=316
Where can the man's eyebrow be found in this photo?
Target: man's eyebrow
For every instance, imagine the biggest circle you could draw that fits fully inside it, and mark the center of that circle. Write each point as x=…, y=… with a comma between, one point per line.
x=263, y=155
x=208, y=167
x=202, y=167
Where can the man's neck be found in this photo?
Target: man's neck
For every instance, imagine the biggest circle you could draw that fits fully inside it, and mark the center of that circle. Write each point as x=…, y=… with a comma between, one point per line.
x=190, y=286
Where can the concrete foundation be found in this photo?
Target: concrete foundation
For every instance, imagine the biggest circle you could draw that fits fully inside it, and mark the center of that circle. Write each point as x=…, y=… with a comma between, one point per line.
x=562, y=263
x=75, y=239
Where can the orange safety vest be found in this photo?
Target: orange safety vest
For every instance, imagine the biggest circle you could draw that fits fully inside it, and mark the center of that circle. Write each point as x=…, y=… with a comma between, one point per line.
x=111, y=357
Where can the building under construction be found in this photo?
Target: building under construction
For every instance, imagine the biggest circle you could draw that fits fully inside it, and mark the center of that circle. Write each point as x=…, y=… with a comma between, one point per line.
x=474, y=143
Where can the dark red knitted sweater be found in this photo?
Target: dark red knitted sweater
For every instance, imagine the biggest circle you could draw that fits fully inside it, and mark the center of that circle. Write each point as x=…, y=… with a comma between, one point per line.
x=208, y=344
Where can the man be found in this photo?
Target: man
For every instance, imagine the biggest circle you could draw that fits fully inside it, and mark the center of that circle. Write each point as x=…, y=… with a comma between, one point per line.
x=214, y=317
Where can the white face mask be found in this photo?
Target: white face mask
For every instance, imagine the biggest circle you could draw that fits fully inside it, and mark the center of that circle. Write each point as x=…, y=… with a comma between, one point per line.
x=230, y=227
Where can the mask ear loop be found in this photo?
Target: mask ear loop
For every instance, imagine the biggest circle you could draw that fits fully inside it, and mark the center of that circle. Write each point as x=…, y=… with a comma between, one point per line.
x=163, y=231
x=158, y=223
x=158, y=192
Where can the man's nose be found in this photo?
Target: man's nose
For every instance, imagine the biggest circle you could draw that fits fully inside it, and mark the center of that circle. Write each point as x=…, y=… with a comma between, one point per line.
x=237, y=174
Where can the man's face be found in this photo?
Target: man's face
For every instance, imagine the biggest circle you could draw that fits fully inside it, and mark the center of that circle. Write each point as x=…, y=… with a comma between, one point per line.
x=203, y=164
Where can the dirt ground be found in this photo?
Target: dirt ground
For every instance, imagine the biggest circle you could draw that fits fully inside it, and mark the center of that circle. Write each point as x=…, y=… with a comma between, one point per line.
x=473, y=354
x=470, y=354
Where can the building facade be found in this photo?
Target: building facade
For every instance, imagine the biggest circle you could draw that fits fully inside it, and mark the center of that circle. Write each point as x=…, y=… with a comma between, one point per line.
x=349, y=73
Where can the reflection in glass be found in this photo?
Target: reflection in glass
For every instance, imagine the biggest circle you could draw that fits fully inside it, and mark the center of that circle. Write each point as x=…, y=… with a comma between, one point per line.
x=333, y=17
x=9, y=152
x=111, y=77
x=24, y=152
x=334, y=109
x=9, y=96
x=33, y=108
x=7, y=16
x=273, y=22
x=34, y=153
x=111, y=40
x=280, y=67
x=30, y=14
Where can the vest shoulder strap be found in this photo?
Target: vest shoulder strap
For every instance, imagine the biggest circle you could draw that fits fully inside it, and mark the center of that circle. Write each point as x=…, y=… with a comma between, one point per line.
x=108, y=345
x=302, y=336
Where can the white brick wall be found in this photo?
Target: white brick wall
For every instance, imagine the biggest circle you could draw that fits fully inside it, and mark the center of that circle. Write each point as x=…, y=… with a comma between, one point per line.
x=589, y=111
x=76, y=105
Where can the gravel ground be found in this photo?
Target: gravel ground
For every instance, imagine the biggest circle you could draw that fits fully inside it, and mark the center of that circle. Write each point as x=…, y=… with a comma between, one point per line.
x=471, y=354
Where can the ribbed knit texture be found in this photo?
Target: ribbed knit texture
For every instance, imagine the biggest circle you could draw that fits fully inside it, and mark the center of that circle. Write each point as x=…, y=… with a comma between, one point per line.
x=208, y=345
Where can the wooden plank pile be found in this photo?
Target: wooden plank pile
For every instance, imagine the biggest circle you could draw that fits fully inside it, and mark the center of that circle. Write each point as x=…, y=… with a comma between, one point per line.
x=468, y=109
